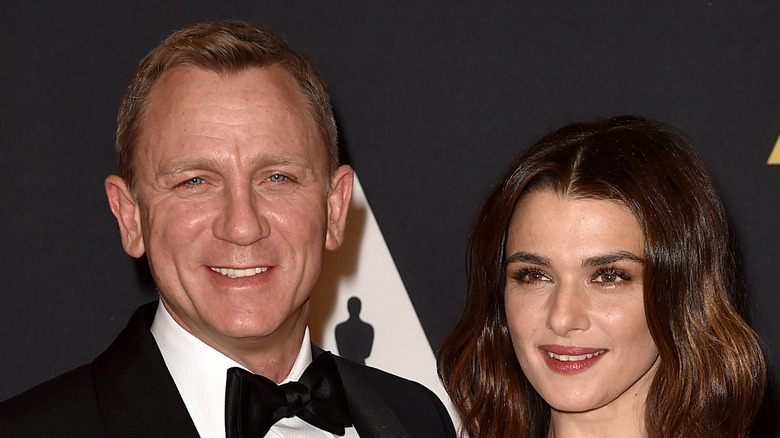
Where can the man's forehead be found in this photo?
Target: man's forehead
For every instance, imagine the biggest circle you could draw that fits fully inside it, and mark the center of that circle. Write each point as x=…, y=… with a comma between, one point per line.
x=261, y=101
x=179, y=82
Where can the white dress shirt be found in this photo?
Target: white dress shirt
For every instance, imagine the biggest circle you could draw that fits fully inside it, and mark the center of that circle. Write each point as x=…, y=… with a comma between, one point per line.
x=200, y=374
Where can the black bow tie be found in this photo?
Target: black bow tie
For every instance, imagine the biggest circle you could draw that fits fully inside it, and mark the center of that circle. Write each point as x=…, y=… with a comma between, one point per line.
x=254, y=403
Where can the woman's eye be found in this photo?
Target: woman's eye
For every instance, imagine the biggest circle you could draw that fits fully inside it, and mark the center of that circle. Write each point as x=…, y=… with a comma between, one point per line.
x=531, y=276
x=610, y=277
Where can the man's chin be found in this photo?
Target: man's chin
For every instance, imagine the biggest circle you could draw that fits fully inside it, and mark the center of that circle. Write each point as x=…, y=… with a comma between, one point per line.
x=256, y=329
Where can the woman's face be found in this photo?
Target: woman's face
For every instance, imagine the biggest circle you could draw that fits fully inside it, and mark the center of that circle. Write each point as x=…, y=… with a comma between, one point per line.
x=574, y=302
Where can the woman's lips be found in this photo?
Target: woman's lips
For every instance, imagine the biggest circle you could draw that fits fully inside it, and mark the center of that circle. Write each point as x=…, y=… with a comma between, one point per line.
x=570, y=360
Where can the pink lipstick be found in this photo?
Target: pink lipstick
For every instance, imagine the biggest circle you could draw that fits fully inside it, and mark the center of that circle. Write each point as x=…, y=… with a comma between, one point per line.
x=570, y=360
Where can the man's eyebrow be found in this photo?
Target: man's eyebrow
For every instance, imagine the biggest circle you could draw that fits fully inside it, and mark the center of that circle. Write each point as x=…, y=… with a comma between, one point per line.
x=526, y=257
x=213, y=165
x=180, y=166
x=612, y=257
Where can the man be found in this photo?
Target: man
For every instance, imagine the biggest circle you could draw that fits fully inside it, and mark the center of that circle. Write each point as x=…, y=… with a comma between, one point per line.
x=229, y=183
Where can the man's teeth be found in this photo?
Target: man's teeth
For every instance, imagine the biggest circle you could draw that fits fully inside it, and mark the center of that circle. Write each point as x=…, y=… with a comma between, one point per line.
x=239, y=273
x=567, y=358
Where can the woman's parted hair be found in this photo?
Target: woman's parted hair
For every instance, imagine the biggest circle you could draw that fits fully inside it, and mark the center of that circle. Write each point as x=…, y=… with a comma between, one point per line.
x=711, y=376
x=224, y=47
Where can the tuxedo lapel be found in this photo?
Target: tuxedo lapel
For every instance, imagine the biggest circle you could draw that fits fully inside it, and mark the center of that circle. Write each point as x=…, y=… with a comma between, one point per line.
x=136, y=393
x=370, y=414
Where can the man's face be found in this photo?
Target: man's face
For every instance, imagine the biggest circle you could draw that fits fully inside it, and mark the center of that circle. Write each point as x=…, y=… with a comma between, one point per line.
x=233, y=204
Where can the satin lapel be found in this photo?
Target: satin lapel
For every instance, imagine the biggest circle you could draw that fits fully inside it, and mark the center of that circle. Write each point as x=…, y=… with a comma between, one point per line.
x=136, y=394
x=370, y=414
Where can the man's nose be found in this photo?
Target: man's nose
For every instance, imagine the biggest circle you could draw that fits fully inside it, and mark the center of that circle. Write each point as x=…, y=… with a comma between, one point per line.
x=569, y=309
x=242, y=220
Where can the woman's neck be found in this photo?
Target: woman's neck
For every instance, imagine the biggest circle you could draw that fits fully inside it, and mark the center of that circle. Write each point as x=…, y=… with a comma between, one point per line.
x=622, y=417
x=587, y=425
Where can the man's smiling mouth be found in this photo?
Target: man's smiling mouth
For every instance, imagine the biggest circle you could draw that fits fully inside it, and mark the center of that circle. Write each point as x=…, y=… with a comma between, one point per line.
x=238, y=273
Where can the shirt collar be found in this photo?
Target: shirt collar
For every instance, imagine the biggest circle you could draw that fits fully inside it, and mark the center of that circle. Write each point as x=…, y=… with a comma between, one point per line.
x=200, y=371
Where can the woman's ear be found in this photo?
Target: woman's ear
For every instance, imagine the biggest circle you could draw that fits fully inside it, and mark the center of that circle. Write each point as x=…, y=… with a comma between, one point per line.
x=125, y=208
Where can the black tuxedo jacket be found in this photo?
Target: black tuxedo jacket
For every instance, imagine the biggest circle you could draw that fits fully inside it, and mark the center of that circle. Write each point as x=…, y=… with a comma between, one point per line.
x=127, y=391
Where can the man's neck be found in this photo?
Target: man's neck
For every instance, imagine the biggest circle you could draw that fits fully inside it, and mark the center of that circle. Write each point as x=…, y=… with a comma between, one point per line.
x=199, y=371
x=272, y=361
x=271, y=356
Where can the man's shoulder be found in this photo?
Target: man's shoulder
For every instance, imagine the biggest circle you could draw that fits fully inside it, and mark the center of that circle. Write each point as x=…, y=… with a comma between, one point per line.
x=125, y=391
x=64, y=406
x=412, y=404
x=379, y=379
x=61, y=392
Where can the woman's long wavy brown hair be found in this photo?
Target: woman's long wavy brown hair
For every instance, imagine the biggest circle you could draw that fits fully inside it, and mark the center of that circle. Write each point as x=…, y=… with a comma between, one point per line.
x=712, y=374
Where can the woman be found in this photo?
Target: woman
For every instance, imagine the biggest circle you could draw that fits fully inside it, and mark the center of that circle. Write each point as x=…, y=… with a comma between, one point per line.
x=603, y=296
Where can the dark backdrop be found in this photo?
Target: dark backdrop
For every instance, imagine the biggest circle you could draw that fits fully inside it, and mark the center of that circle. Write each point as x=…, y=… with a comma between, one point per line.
x=433, y=100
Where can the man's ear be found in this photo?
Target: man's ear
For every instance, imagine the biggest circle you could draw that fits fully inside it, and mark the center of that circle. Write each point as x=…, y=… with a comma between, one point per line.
x=125, y=208
x=339, y=195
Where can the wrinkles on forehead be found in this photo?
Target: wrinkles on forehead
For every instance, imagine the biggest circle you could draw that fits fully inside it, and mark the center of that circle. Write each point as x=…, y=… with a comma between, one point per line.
x=185, y=113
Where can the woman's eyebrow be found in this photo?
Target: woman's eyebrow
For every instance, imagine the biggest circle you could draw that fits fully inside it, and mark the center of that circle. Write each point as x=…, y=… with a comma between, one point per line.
x=526, y=257
x=612, y=257
x=599, y=260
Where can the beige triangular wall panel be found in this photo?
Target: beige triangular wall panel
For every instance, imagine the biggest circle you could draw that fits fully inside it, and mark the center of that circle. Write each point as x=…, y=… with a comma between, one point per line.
x=774, y=157
x=363, y=267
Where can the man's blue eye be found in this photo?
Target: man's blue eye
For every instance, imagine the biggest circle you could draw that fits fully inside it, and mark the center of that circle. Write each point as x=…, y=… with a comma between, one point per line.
x=277, y=177
x=194, y=181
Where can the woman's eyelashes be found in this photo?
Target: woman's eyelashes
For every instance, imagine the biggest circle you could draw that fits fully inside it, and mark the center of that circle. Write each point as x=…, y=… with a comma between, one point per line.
x=611, y=276
x=531, y=276
x=607, y=276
